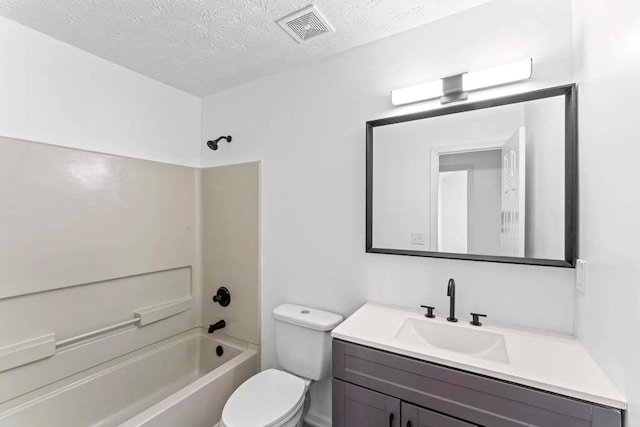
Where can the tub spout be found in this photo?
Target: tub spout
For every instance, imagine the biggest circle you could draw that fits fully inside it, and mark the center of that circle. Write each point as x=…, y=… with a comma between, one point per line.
x=218, y=325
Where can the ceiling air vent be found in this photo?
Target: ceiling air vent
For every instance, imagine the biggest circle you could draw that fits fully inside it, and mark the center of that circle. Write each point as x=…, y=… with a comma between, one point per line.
x=305, y=24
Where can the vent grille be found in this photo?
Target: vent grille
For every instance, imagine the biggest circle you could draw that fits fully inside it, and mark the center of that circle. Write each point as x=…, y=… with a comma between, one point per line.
x=305, y=24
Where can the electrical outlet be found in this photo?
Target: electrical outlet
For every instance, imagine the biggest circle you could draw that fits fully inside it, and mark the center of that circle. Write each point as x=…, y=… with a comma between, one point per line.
x=417, y=238
x=581, y=276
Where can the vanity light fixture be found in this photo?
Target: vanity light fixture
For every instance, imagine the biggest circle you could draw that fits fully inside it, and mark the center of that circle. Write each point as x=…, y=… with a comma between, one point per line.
x=455, y=88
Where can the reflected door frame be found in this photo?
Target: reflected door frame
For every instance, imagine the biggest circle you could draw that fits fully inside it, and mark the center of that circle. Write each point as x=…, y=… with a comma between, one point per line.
x=434, y=171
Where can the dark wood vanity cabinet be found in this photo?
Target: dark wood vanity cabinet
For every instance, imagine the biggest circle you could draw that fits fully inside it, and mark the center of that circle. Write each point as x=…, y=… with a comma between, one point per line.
x=362, y=407
x=374, y=388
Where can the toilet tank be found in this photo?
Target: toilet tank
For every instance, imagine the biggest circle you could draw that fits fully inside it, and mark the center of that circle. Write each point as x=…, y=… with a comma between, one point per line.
x=303, y=340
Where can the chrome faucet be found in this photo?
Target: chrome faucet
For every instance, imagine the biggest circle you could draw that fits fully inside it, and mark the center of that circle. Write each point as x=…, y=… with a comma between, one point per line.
x=451, y=293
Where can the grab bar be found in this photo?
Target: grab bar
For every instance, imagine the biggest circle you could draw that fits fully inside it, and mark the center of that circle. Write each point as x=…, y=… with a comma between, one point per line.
x=81, y=337
x=41, y=347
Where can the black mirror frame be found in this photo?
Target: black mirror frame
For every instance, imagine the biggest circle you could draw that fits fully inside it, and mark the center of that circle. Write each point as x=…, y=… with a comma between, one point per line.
x=571, y=175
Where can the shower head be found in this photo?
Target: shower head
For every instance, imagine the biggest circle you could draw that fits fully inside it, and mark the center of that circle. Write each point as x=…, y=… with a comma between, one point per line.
x=213, y=144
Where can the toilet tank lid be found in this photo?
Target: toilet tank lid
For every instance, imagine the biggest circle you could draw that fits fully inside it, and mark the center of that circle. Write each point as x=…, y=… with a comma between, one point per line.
x=307, y=317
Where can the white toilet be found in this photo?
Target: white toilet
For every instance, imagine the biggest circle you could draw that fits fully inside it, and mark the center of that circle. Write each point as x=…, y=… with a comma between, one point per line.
x=279, y=398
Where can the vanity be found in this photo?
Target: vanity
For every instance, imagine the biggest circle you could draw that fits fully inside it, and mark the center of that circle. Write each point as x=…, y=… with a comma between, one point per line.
x=395, y=367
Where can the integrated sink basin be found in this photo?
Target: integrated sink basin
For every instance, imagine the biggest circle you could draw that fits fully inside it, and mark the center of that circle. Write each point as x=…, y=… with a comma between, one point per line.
x=548, y=361
x=456, y=338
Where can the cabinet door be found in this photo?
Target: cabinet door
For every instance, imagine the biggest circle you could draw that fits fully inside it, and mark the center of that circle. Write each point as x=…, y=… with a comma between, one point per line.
x=413, y=416
x=355, y=406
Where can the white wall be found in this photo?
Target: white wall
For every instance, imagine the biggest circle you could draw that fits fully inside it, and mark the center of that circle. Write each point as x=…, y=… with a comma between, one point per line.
x=608, y=62
x=544, y=127
x=307, y=125
x=57, y=94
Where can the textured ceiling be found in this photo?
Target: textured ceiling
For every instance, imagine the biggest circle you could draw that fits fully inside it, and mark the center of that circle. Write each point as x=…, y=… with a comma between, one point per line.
x=204, y=46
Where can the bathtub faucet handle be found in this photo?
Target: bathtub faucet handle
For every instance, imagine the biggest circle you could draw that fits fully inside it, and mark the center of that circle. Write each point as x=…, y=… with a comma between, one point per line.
x=222, y=297
x=218, y=325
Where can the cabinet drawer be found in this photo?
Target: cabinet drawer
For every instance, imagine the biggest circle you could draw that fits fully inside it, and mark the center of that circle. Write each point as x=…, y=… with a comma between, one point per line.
x=463, y=395
x=413, y=416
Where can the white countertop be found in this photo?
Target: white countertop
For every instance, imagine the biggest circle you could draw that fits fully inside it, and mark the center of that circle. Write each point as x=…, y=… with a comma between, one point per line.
x=543, y=360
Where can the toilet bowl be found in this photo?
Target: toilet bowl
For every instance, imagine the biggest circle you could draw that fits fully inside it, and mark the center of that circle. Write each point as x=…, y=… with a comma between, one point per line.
x=280, y=397
x=272, y=398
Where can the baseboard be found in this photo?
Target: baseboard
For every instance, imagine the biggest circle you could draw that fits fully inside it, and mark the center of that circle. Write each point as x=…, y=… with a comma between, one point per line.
x=315, y=420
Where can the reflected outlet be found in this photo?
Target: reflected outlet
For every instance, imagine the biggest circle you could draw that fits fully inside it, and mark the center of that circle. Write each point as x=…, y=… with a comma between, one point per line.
x=417, y=238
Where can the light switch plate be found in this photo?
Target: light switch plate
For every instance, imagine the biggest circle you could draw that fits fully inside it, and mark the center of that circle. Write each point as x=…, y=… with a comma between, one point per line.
x=417, y=238
x=581, y=276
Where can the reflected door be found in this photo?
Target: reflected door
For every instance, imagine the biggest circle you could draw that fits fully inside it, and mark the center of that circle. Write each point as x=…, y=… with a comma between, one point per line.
x=453, y=211
x=512, y=233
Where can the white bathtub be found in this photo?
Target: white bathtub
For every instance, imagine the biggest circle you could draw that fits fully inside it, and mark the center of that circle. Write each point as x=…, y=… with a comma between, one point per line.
x=180, y=381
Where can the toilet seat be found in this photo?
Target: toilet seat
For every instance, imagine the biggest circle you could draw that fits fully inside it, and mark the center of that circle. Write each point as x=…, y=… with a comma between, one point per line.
x=267, y=399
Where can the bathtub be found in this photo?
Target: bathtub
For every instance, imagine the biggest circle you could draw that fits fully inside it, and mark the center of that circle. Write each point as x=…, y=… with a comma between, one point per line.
x=180, y=381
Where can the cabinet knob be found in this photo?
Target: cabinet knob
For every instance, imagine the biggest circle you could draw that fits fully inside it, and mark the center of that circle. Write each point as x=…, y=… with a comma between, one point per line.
x=391, y=419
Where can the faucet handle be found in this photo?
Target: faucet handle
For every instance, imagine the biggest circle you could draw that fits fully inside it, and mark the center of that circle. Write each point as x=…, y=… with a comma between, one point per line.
x=429, y=314
x=222, y=297
x=476, y=319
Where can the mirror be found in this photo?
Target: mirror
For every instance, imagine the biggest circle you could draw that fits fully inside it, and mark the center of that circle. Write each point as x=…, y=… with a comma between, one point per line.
x=492, y=180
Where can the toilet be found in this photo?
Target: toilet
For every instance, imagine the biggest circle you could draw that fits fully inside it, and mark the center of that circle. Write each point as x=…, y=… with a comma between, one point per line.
x=280, y=397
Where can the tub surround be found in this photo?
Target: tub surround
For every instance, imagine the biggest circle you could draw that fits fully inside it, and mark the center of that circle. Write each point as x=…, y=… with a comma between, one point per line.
x=73, y=217
x=542, y=360
x=128, y=280
x=231, y=248
x=89, y=240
